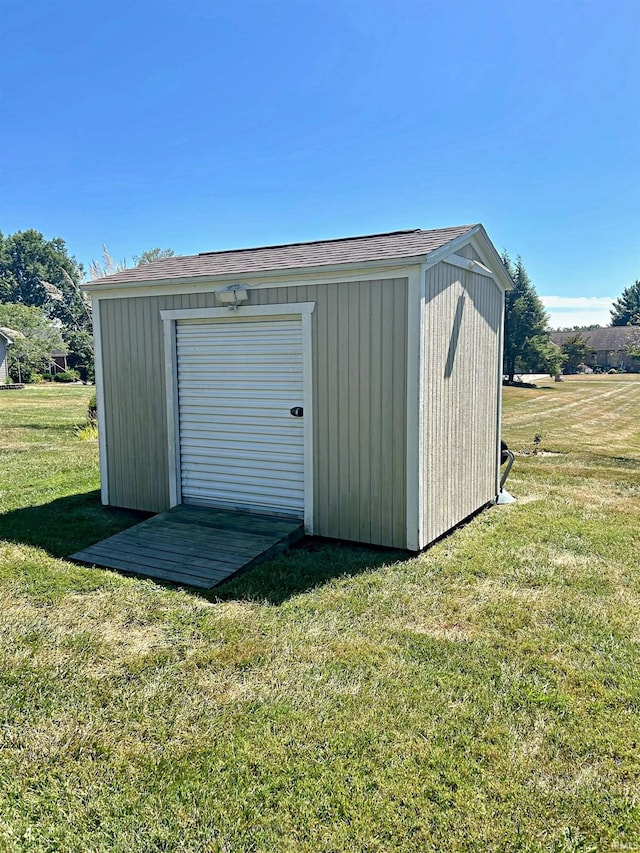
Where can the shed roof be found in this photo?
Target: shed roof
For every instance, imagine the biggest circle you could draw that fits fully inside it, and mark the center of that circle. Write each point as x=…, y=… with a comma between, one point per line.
x=371, y=247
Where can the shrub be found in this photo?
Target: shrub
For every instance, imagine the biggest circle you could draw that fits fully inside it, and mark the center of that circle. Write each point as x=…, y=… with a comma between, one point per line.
x=92, y=409
x=87, y=432
x=66, y=376
x=47, y=377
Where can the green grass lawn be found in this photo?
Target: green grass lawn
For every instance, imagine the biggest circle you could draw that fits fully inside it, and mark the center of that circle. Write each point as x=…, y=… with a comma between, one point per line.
x=483, y=696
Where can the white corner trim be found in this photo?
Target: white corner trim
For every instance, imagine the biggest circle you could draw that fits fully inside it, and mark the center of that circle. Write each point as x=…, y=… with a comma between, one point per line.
x=100, y=405
x=414, y=413
x=499, y=412
x=239, y=313
x=304, y=310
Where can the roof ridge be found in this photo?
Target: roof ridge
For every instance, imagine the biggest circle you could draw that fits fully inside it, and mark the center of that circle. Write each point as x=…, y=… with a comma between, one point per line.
x=384, y=246
x=314, y=242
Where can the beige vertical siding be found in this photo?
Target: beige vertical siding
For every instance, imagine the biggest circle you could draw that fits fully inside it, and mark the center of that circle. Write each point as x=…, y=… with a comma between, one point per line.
x=469, y=252
x=359, y=393
x=463, y=315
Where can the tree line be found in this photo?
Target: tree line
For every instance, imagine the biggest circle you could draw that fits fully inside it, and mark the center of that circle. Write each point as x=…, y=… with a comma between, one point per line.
x=44, y=309
x=528, y=347
x=42, y=303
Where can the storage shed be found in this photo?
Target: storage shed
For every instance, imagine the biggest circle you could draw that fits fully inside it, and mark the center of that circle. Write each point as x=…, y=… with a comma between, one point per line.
x=354, y=383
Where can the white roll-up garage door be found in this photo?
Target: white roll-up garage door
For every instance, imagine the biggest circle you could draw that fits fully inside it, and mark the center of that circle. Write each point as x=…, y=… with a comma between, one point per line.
x=240, y=446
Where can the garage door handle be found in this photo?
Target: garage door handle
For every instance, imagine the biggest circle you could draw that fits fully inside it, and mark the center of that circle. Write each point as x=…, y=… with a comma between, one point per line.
x=297, y=411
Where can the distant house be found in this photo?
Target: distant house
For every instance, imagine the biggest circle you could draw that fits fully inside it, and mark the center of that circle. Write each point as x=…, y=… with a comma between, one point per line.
x=5, y=341
x=609, y=346
x=58, y=360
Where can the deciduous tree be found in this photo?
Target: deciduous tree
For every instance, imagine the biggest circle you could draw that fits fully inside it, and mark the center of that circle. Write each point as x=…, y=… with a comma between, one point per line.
x=39, y=272
x=576, y=350
x=37, y=337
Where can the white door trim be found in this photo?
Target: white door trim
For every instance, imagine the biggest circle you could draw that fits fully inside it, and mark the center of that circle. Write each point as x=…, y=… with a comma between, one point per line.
x=238, y=313
x=169, y=318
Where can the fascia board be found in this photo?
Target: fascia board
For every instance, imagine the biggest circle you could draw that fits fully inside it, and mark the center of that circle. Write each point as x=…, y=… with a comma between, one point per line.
x=478, y=237
x=450, y=248
x=292, y=274
x=497, y=266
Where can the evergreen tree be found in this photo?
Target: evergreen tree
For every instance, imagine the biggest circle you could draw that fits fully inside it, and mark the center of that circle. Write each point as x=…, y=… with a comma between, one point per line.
x=527, y=346
x=626, y=309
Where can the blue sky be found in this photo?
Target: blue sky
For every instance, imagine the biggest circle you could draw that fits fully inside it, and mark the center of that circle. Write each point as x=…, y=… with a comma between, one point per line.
x=202, y=126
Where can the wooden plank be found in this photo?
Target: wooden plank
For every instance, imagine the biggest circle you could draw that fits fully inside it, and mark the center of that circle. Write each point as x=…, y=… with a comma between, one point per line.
x=168, y=543
x=160, y=558
x=242, y=522
x=189, y=526
x=192, y=532
x=100, y=556
x=193, y=547
x=197, y=533
x=204, y=548
x=142, y=565
x=158, y=572
x=237, y=522
x=106, y=563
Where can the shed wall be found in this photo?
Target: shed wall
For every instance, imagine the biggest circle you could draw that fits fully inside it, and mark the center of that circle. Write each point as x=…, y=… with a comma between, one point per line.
x=462, y=327
x=359, y=346
x=3, y=361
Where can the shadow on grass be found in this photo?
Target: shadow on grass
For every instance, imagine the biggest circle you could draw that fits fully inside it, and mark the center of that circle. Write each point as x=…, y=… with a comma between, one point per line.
x=310, y=564
x=70, y=524
x=527, y=386
x=66, y=525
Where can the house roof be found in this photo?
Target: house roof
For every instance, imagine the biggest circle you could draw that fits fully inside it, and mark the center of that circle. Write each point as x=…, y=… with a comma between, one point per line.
x=7, y=334
x=319, y=253
x=610, y=338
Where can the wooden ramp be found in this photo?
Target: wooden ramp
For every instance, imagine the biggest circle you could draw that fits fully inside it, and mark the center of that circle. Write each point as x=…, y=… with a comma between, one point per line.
x=195, y=546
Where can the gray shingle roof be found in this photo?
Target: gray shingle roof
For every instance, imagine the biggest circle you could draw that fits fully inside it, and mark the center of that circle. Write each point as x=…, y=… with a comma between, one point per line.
x=610, y=338
x=372, y=247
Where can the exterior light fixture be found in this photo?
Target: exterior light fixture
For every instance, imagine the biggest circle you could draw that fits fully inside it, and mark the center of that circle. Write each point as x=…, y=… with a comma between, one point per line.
x=233, y=296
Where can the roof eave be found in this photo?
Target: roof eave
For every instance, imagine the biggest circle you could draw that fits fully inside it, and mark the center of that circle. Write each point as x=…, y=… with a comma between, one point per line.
x=478, y=232
x=301, y=272
x=289, y=272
